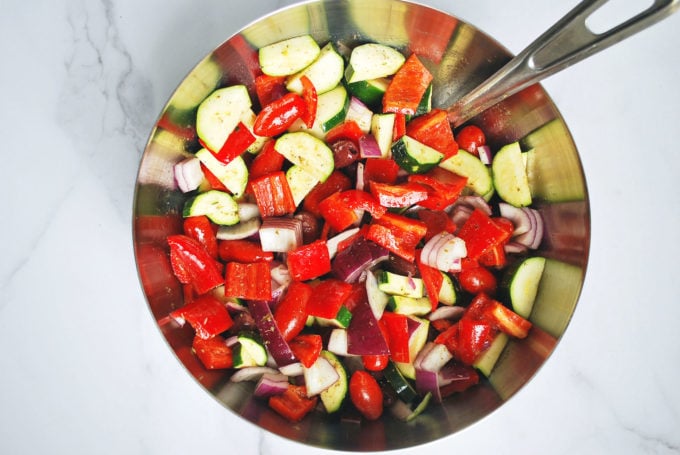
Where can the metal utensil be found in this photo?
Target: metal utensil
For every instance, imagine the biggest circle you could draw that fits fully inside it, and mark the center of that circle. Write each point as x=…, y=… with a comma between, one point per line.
x=567, y=42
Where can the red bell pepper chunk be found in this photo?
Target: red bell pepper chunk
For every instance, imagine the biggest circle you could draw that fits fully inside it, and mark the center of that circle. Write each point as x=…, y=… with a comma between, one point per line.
x=179, y=269
x=381, y=170
x=495, y=256
x=237, y=142
x=397, y=196
x=396, y=326
x=306, y=348
x=243, y=251
x=445, y=187
x=436, y=221
x=207, y=315
x=347, y=130
x=293, y=404
x=272, y=194
x=202, y=229
x=266, y=162
x=269, y=88
x=277, y=116
x=292, y=311
x=432, y=279
x=399, y=126
x=309, y=261
x=474, y=337
x=465, y=377
x=407, y=87
x=198, y=267
x=507, y=321
x=434, y=130
x=212, y=180
x=335, y=183
x=397, y=233
x=449, y=338
x=311, y=99
x=481, y=233
x=340, y=209
x=250, y=281
x=213, y=353
x=329, y=296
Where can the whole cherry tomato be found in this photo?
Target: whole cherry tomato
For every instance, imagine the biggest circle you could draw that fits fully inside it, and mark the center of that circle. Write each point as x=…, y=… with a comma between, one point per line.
x=470, y=137
x=375, y=362
x=365, y=394
x=477, y=279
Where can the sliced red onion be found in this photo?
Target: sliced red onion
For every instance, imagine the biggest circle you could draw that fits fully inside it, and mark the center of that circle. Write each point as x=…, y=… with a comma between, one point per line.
x=447, y=312
x=428, y=255
x=251, y=373
x=271, y=384
x=514, y=247
x=460, y=214
x=360, y=181
x=533, y=237
x=337, y=342
x=188, y=174
x=280, y=279
x=445, y=252
x=271, y=335
x=377, y=299
x=350, y=263
x=247, y=211
x=520, y=218
x=294, y=369
x=432, y=357
x=231, y=341
x=238, y=231
x=320, y=376
x=474, y=202
x=484, y=152
x=361, y=114
x=280, y=234
x=368, y=147
x=456, y=377
x=364, y=336
x=333, y=243
x=428, y=382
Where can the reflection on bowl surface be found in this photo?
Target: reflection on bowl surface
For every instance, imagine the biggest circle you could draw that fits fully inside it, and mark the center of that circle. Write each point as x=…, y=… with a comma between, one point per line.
x=459, y=56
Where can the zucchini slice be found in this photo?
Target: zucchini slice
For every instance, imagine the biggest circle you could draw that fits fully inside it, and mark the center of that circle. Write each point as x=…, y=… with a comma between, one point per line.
x=300, y=182
x=370, y=92
x=414, y=156
x=409, y=305
x=288, y=56
x=395, y=284
x=523, y=285
x=478, y=174
x=373, y=61
x=308, y=152
x=220, y=113
x=334, y=396
x=234, y=175
x=510, y=175
x=331, y=111
x=249, y=351
x=447, y=292
x=487, y=360
x=218, y=206
x=382, y=127
x=325, y=72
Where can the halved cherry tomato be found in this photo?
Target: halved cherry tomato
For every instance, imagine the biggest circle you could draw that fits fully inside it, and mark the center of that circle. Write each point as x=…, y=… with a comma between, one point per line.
x=476, y=280
x=471, y=137
x=365, y=394
x=375, y=362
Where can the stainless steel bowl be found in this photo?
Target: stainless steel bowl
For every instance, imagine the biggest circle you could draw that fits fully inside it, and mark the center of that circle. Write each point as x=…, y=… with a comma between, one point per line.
x=460, y=57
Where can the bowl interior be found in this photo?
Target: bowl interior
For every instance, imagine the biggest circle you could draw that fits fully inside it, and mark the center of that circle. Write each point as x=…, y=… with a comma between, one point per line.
x=459, y=56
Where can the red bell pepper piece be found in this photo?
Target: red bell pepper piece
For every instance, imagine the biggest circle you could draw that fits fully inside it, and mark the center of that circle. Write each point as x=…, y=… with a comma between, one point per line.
x=506, y=320
x=434, y=130
x=250, y=281
x=212, y=180
x=399, y=126
x=311, y=99
x=397, y=196
x=481, y=233
x=356, y=296
x=179, y=269
x=466, y=377
x=432, y=279
x=335, y=183
x=436, y=221
x=269, y=88
x=272, y=194
x=347, y=130
x=293, y=404
x=449, y=338
x=474, y=337
x=329, y=296
x=292, y=311
x=243, y=251
x=213, y=353
x=202, y=229
x=340, y=209
x=207, y=315
x=381, y=170
x=199, y=268
x=407, y=87
x=237, y=142
x=396, y=327
x=306, y=348
x=277, y=116
x=309, y=261
x=445, y=187
x=495, y=256
x=266, y=162
x=397, y=233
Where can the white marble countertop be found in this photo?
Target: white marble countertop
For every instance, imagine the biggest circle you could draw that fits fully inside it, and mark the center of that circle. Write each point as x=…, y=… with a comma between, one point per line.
x=84, y=369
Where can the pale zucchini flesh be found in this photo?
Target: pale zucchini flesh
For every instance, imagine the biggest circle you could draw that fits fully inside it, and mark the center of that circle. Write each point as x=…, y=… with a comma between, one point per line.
x=234, y=176
x=373, y=61
x=325, y=73
x=478, y=174
x=308, y=152
x=510, y=176
x=524, y=284
x=218, y=206
x=219, y=114
x=289, y=56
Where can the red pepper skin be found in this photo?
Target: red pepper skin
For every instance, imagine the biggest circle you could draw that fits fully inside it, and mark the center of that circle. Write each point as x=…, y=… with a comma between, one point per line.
x=474, y=337
x=398, y=234
x=396, y=327
x=444, y=187
x=237, y=142
x=269, y=88
x=213, y=353
x=397, y=196
x=243, y=251
x=266, y=162
x=293, y=404
x=277, y=116
x=470, y=137
x=213, y=181
x=328, y=296
x=306, y=348
x=201, y=229
x=291, y=312
x=309, y=261
x=449, y=338
x=434, y=130
x=432, y=279
x=207, y=315
x=436, y=222
x=202, y=270
x=506, y=320
x=335, y=183
x=339, y=209
x=399, y=126
x=481, y=233
x=311, y=99
x=346, y=130
x=381, y=170
x=250, y=281
x=407, y=87
x=272, y=194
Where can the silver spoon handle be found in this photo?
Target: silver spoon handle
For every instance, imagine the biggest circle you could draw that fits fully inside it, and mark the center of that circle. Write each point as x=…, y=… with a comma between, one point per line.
x=565, y=43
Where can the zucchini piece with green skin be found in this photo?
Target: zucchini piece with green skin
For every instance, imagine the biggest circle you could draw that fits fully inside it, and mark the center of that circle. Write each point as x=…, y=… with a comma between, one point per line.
x=373, y=61
x=488, y=359
x=234, y=176
x=407, y=412
x=370, y=92
x=219, y=114
x=399, y=383
x=341, y=319
x=300, y=182
x=395, y=284
x=218, y=206
x=331, y=111
x=333, y=397
x=249, y=351
x=415, y=344
x=289, y=56
x=414, y=156
x=425, y=104
x=325, y=72
x=478, y=174
x=308, y=152
x=447, y=291
x=382, y=127
x=510, y=175
x=522, y=284
x=409, y=305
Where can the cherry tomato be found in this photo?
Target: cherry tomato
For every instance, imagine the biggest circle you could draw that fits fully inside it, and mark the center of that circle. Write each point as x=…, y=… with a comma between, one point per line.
x=375, y=362
x=476, y=280
x=469, y=138
x=365, y=394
